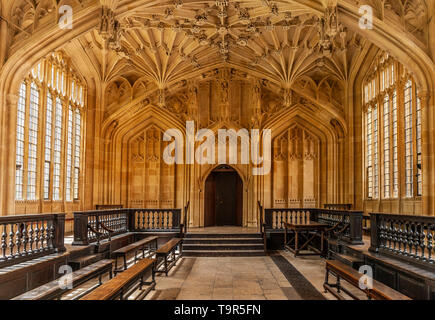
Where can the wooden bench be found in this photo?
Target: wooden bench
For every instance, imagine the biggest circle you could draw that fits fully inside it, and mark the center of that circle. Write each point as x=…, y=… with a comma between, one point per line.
x=123, y=285
x=378, y=291
x=140, y=245
x=54, y=289
x=166, y=255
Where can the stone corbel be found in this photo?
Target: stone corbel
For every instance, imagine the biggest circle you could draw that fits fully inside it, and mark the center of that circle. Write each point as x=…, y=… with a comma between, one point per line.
x=12, y=100
x=424, y=96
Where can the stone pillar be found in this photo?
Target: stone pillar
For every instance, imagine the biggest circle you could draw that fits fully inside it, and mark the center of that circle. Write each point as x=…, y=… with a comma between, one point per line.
x=427, y=161
x=8, y=155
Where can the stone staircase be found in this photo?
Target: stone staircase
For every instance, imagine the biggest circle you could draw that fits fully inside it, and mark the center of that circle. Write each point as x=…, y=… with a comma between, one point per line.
x=223, y=245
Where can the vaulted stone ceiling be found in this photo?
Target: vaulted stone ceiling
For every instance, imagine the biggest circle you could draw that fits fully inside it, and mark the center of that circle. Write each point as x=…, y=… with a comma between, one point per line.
x=163, y=42
x=281, y=42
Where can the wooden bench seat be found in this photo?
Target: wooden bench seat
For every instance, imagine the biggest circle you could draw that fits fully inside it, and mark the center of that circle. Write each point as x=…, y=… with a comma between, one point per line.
x=379, y=291
x=167, y=256
x=140, y=245
x=54, y=289
x=123, y=285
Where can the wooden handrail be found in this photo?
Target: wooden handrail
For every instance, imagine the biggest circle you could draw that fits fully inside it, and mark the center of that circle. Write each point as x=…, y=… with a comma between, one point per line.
x=97, y=233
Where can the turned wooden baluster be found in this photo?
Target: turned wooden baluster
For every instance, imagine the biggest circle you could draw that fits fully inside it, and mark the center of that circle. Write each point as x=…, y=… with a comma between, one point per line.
x=399, y=237
x=11, y=240
x=36, y=237
x=4, y=245
x=51, y=235
x=422, y=242
x=417, y=226
x=154, y=220
x=390, y=234
x=18, y=241
x=42, y=236
x=25, y=239
x=430, y=228
x=32, y=240
x=411, y=239
x=139, y=219
x=171, y=220
x=382, y=236
x=395, y=236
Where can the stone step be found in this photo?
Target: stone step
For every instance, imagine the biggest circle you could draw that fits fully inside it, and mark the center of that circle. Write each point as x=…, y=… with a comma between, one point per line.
x=223, y=235
x=225, y=246
x=223, y=253
x=222, y=240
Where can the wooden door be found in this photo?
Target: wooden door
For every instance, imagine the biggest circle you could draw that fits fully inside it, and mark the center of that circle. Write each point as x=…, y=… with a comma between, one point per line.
x=223, y=197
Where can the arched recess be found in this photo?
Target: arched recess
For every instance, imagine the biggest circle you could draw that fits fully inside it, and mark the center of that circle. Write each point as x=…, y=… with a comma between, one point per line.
x=128, y=143
x=303, y=142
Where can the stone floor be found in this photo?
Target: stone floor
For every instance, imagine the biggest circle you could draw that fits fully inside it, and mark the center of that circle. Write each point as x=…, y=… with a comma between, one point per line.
x=224, y=278
x=238, y=278
x=232, y=278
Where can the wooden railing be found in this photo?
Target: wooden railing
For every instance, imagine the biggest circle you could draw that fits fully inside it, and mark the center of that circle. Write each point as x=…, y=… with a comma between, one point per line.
x=348, y=222
x=94, y=226
x=157, y=219
x=406, y=237
x=25, y=237
x=338, y=206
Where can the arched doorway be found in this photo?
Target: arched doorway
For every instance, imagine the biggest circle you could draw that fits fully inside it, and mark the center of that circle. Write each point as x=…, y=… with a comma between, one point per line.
x=223, y=198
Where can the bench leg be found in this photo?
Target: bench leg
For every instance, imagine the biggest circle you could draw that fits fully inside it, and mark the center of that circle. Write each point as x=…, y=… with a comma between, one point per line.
x=116, y=264
x=338, y=284
x=141, y=283
x=125, y=262
x=100, y=278
x=166, y=265
x=110, y=274
x=135, y=256
x=326, y=280
x=153, y=275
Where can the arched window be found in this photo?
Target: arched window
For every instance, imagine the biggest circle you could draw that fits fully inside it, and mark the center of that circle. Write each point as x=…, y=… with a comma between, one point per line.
x=51, y=100
x=392, y=132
